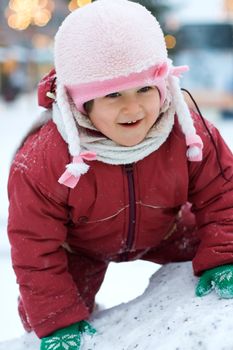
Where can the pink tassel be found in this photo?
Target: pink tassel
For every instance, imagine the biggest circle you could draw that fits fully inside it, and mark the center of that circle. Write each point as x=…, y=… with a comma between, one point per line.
x=74, y=170
x=68, y=179
x=195, y=144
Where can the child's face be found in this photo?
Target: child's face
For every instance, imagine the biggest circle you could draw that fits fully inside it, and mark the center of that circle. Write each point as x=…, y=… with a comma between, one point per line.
x=126, y=117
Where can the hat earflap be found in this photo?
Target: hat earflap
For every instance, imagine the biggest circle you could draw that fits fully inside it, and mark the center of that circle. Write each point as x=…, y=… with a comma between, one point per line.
x=67, y=125
x=193, y=141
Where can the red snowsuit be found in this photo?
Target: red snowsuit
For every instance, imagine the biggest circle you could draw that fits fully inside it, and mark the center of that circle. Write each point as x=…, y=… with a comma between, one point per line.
x=62, y=239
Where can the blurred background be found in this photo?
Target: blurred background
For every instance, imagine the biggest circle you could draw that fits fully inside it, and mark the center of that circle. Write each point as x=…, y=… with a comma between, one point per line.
x=198, y=33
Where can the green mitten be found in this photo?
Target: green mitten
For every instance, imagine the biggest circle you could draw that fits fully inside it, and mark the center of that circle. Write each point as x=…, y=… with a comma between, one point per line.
x=220, y=279
x=68, y=338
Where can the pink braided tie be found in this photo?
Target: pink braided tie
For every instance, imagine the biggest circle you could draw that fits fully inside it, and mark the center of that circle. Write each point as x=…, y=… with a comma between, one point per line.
x=70, y=179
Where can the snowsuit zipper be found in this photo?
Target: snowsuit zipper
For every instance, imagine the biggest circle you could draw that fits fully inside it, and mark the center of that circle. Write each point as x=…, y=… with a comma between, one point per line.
x=132, y=207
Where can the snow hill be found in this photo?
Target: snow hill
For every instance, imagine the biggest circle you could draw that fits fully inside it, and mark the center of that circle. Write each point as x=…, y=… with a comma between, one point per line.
x=168, y=316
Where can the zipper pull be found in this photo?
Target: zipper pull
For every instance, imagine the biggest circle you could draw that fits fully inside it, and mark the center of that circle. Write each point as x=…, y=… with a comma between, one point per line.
x=129, y=167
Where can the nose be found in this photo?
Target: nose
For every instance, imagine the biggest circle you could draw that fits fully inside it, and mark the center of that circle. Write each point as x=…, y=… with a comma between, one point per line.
x=132, y=106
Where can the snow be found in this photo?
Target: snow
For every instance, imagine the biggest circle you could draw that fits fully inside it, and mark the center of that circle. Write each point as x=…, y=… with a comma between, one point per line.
x=16, y=119
x=169, y=319
x=164, y=317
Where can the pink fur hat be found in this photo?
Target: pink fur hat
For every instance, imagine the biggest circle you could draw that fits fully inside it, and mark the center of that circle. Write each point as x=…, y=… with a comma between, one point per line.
x=109, y=46
x=102, y=48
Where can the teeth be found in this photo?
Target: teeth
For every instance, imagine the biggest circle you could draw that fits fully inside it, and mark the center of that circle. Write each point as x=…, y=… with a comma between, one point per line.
x=134, y=121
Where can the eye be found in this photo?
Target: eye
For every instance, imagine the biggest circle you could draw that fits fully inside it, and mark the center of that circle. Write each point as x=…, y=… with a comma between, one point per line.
x=113, y=95
x=145, y=89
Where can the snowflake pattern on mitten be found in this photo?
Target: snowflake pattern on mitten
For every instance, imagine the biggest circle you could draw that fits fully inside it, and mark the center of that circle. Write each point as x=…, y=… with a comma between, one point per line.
x=67, y=342
x=68, y=338
x=219, y=279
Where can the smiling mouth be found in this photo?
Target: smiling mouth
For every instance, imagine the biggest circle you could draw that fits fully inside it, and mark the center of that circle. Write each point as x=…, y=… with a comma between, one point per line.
x=131, y=123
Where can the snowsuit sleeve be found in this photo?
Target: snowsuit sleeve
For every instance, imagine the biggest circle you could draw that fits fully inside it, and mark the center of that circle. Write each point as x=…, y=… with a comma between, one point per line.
x=212, y=199
x=38, y=216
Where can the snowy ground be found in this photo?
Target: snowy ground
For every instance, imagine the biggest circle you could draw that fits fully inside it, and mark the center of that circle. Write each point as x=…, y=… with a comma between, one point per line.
x=155, y=321
x=122, y=282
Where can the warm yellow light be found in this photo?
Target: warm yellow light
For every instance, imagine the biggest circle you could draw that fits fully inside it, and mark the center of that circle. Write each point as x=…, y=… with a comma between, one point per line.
x=12, y=20
x=170, y=41
x=23, y=24
x=83, y=2
x=18, y=21
x=23, y=21
x=22, y=5
x=42, y=17
x=73, y=5
x=22, y=13
x=14, y=5
x=43, y=3
x=9, y=66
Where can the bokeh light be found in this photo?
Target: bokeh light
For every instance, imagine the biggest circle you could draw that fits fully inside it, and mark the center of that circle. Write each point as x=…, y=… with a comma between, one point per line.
x=170, y=41
x=74, y=4
x=83, y=2
x=21, y=14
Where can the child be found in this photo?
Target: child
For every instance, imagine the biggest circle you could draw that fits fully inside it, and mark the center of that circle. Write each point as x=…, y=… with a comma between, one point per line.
x=110, y=176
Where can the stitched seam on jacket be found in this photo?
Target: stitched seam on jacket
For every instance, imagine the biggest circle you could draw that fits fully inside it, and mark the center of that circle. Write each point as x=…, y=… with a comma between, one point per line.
x=150, y=205
x=108, y=217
